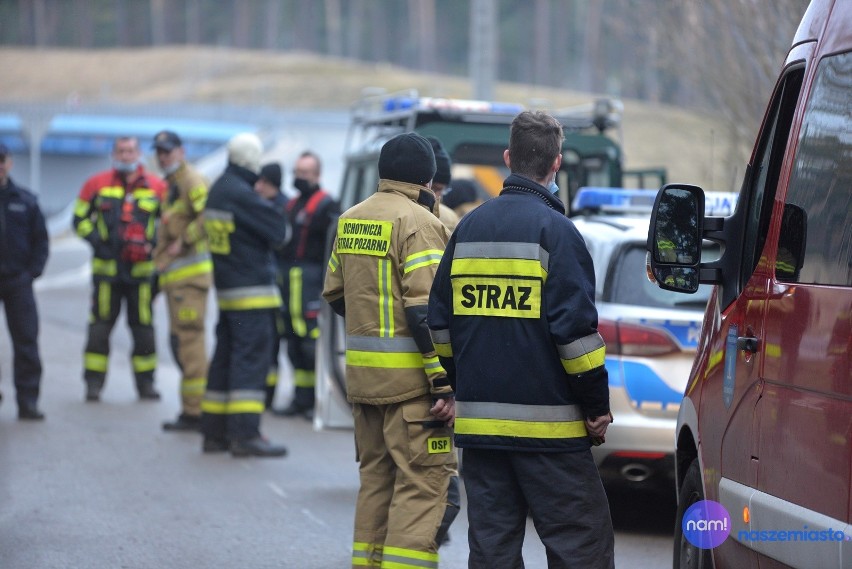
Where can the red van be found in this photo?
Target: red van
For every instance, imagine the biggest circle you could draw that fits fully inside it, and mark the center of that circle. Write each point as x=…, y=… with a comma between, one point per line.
x=765, y=426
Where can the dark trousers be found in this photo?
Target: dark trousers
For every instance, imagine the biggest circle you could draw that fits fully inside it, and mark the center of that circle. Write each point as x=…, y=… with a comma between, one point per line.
x=563, y=493
x=16, y=294
x=107, y=298
x=301, y=291
x=236, y=379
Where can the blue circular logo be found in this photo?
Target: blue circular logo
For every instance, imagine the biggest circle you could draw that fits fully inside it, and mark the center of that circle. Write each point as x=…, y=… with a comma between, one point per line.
x=706, y=524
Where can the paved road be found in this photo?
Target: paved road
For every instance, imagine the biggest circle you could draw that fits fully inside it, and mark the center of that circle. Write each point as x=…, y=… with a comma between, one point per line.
x=101, y=486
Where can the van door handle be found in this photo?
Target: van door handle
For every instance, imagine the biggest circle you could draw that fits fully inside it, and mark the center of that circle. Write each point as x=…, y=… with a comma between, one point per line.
x=748, y=344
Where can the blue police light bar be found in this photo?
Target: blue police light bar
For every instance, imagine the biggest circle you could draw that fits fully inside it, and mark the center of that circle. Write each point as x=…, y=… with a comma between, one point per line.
x=614, y=200
x=392, y=104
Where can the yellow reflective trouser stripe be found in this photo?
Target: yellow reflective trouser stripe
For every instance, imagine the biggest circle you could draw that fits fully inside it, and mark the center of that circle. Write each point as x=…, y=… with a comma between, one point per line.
x=400, y=558
x=362, y=552
x=145, y=303
x=386, y=328
x=104, y=297
x=95, y=362
x=85, y=227
x=304, y=378
x=193, y=385
x=144, y=363
x=105, y=267
x=143, y=269
x=186, y=272
x=526, y=429
x=272, y=378
x=296, y=317
x=397, y=360
x=422, y=259
x=232, y=407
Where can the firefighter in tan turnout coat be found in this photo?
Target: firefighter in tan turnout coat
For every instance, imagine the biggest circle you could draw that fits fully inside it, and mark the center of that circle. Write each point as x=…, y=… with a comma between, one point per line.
x=379, y=276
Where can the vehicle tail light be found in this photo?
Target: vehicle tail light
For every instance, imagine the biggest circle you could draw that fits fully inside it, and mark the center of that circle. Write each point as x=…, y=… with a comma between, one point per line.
x=635, y=340
x=638, y=455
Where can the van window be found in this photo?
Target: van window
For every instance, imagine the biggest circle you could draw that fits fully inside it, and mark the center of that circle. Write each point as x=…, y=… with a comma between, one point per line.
x=821, y=182
x=767, y=168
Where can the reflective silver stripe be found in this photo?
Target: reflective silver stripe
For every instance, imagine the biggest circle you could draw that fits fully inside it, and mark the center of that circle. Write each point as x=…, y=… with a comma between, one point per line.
x=580, y=347
x=492, y=250
x=440, y=336
x=420, y=259
x=220, y=396
x=405, y=561
x=219, y=214
x=397, y=344
x=247, y=395
x=247, y=292
x=516, y=412
x=768, y=513
x=187, y=261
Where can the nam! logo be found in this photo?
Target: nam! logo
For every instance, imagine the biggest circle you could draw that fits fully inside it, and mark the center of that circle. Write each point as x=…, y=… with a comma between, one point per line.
x=706, y=524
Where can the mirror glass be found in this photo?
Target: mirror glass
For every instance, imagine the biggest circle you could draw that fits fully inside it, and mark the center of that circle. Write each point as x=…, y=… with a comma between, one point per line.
x=676, y=238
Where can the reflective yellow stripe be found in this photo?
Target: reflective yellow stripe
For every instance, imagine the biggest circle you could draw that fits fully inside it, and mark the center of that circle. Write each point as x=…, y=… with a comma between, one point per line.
x=104, y=297
x=231, y=407
x=586, y=362
x=144, y=363
x=401, y=558
x=386, y=324
x=304, y=378
x=526, y=429
x=443, y=350
x=81, y=207
x=193, y=385
x=422, y=259
x=296, y=319
x=272, y=378
x=104, y=267
x=396, y=360
x=143, y=269
x=432, y=365
x=85, y=227
x=103, y=231
x=249, y=303
x=145, y=303
x=145, y=193
x=583, y=354
x=198, y=197
x=112, y=192
x=95, y=362
x=202, y=268
x=504, y=267
x=333, y=262
x=363, y=552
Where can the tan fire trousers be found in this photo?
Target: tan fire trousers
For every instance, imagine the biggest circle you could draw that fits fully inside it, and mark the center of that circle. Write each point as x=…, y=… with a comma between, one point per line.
x=408, y=465
x=187, y=310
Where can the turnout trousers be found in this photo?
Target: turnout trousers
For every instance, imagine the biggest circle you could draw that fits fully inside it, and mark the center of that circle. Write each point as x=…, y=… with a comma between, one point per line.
x=187, y=309
x=16, y=295
x=562, y=491
x=409, y=492
x=107, y=297
x=236, y=378
x=301, y=291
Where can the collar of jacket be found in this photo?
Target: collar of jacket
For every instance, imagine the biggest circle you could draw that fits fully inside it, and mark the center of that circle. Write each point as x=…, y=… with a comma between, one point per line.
x=420, y=194
x=516, y=183
x=174, y=175
x=243, y=173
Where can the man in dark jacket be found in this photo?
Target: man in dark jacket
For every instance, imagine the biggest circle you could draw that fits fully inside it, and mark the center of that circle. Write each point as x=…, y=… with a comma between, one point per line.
x=242, y=229
x=23, y=254
x=513, y=320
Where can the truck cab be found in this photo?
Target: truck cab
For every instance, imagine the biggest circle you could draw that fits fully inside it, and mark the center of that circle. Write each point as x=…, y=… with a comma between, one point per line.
x=474, y=134
x=765, y=425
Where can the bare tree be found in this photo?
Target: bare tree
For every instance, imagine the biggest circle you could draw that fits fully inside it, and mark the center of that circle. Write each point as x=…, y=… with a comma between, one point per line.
x=591, y=72
x=271, y=24
x=193, y=21
x=421, y=17
x=333, y=28
x=158, y=22
x=541, y=35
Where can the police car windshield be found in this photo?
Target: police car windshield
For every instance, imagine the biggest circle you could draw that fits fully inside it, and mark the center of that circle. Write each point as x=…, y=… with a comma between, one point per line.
x=629, y=284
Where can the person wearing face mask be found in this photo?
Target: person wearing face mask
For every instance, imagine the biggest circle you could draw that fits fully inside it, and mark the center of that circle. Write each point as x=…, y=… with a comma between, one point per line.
x=382, y=264
x=185, y=274
x=116, y=212
x=302, y=263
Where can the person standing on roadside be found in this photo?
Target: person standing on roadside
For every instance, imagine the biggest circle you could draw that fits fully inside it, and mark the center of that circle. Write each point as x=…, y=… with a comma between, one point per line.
x=443, y=176
x=23, y=255
x=185, y=274
x=381, y=267
x=117, y=212
x=302, y=265
x=268, y=186
x=513, y=320
x=242, y=229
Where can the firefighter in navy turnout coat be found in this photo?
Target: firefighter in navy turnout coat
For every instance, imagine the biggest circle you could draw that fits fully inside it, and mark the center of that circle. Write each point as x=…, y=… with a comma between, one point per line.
x=513, y=320
x=302, y=265
x=117, y=212
x=381, y=267
x=23, y=254
x=242, y=229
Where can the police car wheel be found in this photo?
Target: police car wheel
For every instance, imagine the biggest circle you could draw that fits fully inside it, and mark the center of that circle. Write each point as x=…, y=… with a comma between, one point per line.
x=686, y=555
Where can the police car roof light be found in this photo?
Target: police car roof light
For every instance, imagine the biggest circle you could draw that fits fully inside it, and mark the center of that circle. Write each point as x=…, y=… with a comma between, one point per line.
x=614, y=200
x=401, y=103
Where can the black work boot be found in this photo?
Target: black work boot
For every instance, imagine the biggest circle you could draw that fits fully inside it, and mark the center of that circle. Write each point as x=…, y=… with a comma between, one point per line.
x=93, y=390
x=147, y=392
x=28, y=411
x=184, y=423
x=258, y=446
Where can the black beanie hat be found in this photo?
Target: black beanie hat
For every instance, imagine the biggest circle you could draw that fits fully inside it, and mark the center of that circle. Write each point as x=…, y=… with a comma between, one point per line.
x=442, y=162
x=407, y=158
x=272, y=174
x=461, y=192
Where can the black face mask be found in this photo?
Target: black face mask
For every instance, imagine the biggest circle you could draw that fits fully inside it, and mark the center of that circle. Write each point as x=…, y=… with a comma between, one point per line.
x=304, y=186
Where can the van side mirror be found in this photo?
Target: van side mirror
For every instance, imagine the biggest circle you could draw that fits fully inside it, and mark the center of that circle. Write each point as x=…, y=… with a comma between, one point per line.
x=674, y=237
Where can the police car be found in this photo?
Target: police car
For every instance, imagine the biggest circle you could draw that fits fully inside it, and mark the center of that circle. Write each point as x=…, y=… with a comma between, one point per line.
x=651, y=334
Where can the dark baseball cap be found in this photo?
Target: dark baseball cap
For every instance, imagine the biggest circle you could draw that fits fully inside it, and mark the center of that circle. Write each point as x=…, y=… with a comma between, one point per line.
x=166, y=140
